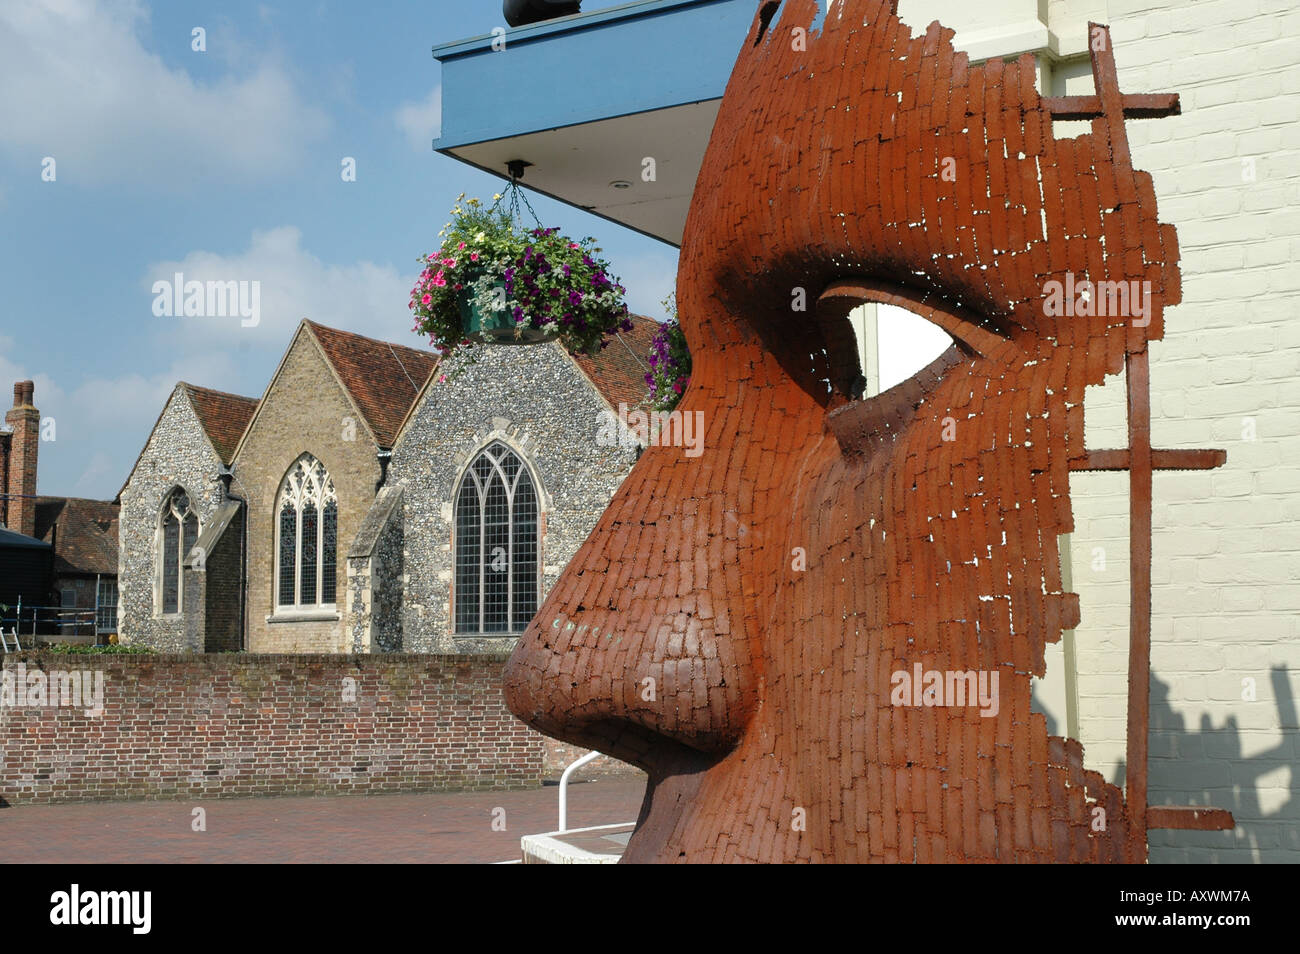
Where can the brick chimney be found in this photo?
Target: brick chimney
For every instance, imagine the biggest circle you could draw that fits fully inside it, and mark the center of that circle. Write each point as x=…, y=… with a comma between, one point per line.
x=4, y=478
x=25, y=422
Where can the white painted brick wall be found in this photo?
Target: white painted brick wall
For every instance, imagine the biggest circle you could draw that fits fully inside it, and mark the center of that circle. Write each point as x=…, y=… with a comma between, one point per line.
x=1226, y=543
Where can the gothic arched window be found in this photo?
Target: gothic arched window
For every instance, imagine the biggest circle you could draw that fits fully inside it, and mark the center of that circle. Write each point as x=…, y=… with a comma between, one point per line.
x=496, y=544
x=307, y=530
x=179, y=532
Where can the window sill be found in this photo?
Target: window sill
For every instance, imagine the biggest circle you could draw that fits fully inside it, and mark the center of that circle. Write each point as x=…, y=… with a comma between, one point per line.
x=486, y=635
x=305, y=616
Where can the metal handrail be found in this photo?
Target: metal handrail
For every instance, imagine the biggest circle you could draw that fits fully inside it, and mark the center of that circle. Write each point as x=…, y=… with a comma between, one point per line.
x=564, y=787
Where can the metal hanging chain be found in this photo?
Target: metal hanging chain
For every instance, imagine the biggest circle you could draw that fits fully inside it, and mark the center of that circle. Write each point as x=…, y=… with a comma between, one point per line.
x=516, y=195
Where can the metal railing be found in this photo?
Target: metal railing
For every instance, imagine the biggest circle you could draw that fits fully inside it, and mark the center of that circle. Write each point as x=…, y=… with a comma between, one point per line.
x=48, y=621
x=564, y=787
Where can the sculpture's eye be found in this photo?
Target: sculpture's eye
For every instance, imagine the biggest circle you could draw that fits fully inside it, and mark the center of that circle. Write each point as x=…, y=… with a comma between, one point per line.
x=879, y=337
x=894, y=344
x=918, y=338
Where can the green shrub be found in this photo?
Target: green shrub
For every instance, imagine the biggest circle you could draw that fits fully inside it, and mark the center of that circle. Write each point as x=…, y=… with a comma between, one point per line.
x=81, y=649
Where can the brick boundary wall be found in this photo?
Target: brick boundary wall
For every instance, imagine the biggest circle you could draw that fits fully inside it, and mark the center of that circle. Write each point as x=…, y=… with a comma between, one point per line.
x=181, y=726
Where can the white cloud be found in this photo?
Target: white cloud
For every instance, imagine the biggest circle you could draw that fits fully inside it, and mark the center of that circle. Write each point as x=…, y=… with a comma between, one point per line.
x=422, y=121
x=103, y=420
x=80, y=86
x=294, y=284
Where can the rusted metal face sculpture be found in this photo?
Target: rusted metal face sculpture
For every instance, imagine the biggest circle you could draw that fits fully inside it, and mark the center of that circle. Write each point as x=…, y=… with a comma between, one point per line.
x=747, y=623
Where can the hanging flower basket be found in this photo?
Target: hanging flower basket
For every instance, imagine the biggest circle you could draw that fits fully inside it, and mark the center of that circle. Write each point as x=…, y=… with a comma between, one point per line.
x=492, y=281
x=486, y=321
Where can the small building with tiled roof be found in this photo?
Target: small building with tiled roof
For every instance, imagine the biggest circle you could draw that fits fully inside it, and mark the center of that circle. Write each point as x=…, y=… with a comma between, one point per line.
x=83, y=535
x=82, y=532
x=58, y=555
x=375, y=497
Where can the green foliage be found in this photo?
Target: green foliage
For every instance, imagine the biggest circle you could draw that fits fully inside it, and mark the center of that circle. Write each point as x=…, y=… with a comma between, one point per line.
x=81, y=649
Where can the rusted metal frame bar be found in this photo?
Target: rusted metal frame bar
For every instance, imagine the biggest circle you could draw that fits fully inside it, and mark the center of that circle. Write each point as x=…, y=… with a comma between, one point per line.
x=1117, y=459
x=1110, y=103
x=1192, y=817
x=1136, y=106
x=1138, y=373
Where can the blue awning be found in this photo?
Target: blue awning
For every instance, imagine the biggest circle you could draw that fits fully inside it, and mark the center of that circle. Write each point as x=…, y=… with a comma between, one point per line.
x=587, y=99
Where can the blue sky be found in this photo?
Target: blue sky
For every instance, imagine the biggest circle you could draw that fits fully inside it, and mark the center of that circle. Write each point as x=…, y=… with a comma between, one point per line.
x=222, y=164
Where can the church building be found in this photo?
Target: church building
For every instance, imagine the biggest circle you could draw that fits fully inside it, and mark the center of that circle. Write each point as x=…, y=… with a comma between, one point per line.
x=375, y=498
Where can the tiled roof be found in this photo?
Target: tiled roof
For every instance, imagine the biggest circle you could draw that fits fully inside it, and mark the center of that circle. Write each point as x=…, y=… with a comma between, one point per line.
x=382, y=378
x=224, y=417
x=83, y=532
x=619, y=370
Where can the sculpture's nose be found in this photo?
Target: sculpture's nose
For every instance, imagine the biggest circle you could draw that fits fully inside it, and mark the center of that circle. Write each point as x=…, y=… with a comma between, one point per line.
x=646, y=634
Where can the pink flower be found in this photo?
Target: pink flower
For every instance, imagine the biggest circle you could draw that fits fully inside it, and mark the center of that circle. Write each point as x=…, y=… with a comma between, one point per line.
x=473, y=256
x=449, y=262
x=439, y=280
x=573, y=245
x=461, y=245
x=426, y=299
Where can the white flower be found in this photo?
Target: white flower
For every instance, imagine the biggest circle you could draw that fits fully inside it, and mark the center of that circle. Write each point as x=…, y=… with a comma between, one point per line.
x=480, y=237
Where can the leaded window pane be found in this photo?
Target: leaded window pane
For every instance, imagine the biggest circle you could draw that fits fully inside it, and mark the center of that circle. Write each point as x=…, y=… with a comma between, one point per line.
x=496, y=557
x=288, y=552
x=191, y=527
x=310, y=554
x=468, y=544
x=524, y=557
x=171, y=563
x=329, y=552
x=179, y=527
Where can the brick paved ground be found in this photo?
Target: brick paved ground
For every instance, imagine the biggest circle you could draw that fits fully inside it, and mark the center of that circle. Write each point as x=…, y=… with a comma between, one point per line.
x=438, y=828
